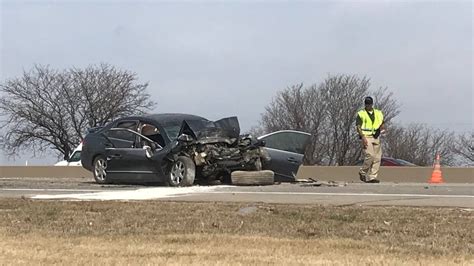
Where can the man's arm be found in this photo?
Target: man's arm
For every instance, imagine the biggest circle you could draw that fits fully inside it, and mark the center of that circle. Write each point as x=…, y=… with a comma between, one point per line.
x=359, y=130
x=382, y=127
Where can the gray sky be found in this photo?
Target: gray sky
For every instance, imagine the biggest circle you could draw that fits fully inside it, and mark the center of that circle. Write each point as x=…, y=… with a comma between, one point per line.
x=227, y=58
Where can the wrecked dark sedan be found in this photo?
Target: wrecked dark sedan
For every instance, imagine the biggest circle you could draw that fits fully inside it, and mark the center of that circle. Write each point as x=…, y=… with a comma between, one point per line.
x=172, y=148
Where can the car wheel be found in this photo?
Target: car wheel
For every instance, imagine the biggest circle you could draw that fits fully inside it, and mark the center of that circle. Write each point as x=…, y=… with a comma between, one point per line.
x=182, y=172
x=100, y=170
x=249, y=178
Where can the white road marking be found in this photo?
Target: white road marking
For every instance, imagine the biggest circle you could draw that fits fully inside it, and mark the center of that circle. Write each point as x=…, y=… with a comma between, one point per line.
x=166, y=192
x=138, y=194
x=51, y=189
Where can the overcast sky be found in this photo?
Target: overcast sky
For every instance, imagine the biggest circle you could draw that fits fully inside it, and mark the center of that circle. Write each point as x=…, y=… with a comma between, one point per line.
x=225, y=58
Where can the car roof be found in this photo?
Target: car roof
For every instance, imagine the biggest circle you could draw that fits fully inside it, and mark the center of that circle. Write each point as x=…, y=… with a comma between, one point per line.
x=167, y=117
x=164, y=118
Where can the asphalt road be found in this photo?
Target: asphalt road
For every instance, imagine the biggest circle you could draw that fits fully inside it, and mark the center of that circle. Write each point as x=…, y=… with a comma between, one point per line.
x=386, y=194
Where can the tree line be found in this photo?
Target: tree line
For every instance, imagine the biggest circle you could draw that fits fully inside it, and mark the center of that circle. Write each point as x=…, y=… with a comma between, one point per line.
x=46, y=108
x=51, y=109
x=328, y=111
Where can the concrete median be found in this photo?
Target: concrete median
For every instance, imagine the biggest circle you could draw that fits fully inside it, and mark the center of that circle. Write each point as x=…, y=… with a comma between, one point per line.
x=387, y=174
x=44, y=171
x=322, y=173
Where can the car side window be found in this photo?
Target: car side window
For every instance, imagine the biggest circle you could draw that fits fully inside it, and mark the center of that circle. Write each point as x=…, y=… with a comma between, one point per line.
x=153, y=133
x=123, y=135
x=287, y=141
x=128, y=124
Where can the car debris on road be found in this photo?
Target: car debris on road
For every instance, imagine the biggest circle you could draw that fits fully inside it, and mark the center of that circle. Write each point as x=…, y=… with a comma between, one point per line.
x=310, y=182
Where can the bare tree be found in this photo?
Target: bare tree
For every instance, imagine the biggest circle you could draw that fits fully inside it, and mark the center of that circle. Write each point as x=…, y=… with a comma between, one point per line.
x=315, y=152
x=385, y=101
x=256, y=131
x=290, y=104
x=328, y=112
x=301, y=109
x=47, y=108
x=343, y=96
x=419, y=144
x=464, y=148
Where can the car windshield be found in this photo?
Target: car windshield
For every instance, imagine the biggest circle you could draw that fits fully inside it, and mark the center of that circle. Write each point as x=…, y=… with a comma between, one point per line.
x=172, y=128
x=172, y=131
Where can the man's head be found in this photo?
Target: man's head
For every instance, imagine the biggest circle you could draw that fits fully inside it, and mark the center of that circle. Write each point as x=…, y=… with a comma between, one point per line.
x=368, y=101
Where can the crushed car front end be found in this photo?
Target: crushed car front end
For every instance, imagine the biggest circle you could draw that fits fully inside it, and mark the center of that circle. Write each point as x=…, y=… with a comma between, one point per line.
x=217, y=149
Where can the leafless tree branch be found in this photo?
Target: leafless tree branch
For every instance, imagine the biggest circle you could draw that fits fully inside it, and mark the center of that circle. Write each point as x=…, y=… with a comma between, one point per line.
x=464, y=148
x=419, y=144
x=327, y=111
x=47, y=108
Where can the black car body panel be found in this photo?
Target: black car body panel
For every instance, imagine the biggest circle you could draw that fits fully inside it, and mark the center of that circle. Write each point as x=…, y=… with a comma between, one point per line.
x=215, y=147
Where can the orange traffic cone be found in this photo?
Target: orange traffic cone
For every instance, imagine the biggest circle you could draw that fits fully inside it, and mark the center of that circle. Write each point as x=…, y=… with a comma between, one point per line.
x=436, y=176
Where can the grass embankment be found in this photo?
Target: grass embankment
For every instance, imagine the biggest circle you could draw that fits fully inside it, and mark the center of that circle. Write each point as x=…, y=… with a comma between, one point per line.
x=153, y=232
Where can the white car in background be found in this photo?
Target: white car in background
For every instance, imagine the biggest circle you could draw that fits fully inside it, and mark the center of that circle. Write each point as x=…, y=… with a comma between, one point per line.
x=74, y=158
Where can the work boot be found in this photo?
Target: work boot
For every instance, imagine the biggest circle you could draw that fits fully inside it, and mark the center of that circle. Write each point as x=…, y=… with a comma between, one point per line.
x=362, y=178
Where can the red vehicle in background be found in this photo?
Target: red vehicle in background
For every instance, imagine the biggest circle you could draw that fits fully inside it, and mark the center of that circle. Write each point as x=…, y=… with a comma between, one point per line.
x=388, y=161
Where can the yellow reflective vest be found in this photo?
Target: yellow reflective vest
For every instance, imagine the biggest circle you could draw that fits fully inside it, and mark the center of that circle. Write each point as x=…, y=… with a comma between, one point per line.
x=368, y=127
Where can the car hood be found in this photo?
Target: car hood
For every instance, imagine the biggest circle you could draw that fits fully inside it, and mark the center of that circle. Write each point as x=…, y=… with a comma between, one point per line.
x=226, y=129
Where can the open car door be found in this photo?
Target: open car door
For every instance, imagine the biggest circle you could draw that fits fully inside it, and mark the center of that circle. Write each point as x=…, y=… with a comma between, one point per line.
x=286, y=149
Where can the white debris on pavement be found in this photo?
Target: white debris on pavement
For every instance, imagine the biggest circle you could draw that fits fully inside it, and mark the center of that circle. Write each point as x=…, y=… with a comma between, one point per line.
x=138, y=194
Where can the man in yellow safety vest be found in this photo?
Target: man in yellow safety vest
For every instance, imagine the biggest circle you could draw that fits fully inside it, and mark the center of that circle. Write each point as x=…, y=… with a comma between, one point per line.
x=370, y=124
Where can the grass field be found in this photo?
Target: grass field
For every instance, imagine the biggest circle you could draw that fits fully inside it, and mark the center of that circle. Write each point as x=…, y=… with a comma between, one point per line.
x=157, y=232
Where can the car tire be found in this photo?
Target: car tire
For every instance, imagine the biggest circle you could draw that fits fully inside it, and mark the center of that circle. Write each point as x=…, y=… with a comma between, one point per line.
x=251, y=178
x=182, y=172
x=100, y=170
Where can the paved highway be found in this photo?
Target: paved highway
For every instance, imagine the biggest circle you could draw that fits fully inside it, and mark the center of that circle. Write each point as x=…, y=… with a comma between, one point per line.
x=387, y=194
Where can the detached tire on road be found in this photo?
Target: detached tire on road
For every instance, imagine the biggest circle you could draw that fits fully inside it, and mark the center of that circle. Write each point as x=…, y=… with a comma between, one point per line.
x=182, y=172
x=251, y=178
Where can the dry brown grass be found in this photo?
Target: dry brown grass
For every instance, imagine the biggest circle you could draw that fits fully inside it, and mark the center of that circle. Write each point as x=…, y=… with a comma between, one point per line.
x=154, y=232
